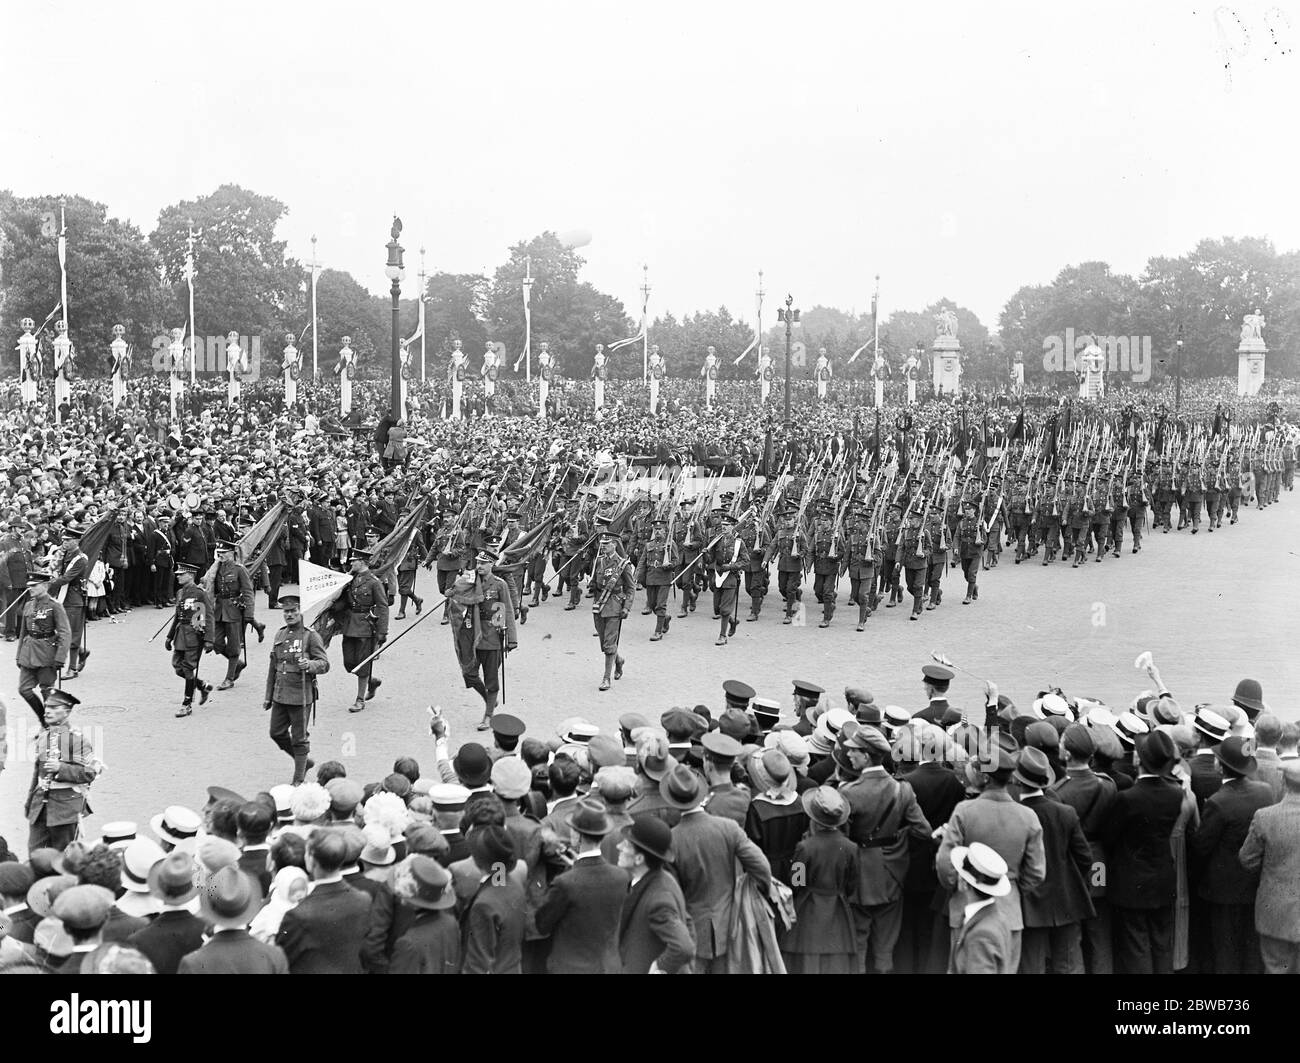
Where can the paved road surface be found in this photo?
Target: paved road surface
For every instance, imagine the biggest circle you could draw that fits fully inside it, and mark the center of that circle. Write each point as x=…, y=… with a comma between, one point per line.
x=1211, y=608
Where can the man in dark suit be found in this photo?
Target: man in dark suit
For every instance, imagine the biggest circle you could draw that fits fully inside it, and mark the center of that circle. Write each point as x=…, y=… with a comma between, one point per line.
x=493, y=921
x=1054, y=909
x=175, y=931
x=883, y=816
x=582, y=908
x=358, y=520
x=431, y=944
x=1221, y=881
x=1211, y=730
x=15, y=880
x=1141, y=879
x=228, y=902
x=705, y=851
x=1090, y=795
x=299, y=525
x=935, y=679
x=923, y=941
x=654, y=932
x=255, y=821
x=325, y=932
x=321, y=524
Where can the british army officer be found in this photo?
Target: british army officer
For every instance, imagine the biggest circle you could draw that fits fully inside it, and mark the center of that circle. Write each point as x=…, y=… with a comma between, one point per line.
x=656, y=571
x=233, y=591
x=43, y=645
x=66, y=765
x=297, y=657
x=363, y=623
x=193, y=630
x=615, y=585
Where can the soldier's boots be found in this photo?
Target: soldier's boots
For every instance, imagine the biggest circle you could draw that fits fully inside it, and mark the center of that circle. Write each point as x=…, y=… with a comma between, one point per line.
x=864, y=611
x=970, y=594
x=828, y=611
x=659, y=629
x=916, y=607
x=756, y=606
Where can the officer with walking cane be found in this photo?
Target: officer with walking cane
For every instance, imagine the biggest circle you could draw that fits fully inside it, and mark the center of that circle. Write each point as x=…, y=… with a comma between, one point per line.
x=192, y=632
x=297, y=657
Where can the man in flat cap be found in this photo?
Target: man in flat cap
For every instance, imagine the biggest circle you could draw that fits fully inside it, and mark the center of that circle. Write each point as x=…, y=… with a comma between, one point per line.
x=883, y=817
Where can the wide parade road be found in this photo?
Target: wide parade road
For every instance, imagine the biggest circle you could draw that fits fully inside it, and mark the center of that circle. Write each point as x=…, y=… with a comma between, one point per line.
x=1212, y=608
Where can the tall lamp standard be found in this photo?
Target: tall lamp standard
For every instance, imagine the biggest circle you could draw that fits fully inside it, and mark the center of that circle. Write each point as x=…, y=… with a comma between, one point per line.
x=395, y=270
x=791, y=318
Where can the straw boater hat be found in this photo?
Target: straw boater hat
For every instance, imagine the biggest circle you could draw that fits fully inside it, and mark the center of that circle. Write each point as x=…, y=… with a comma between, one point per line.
x=982, y=869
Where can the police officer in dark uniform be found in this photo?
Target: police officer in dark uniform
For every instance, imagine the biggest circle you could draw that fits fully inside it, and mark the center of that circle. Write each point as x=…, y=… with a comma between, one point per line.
x=612, y=576
x=44, y=637
x=233, y=591
x=655, y=572
x=362, y=613
x=192, y=632
x=297, y=657
x=72, y=575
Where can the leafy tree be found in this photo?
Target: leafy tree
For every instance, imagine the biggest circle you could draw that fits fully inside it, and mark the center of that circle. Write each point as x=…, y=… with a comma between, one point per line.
x=113, y=275
x=685, y=343
x=246, y=281
x=455, y=304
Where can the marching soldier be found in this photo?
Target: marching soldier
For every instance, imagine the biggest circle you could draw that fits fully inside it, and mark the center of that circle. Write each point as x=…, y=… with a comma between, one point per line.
x=914, y=561
x=66, y=765
x=297, y=657
x=655, y=572
x=44, y=638
x=827, y=550
x=1018, y=506
x=757, y=536
x=452, y=543
x=1049, y=518
x=406, y=573
x=935, y=535
x=575, y=531
x=789, y=561
x=1080, y=519
x=362, y=613
x=483, y=630
x=1194, y=497
x=688, y=549
x=860, y=552
x=1137, y=508
x=728, y=557
x=233, y=591
x=1118, y=507
x=613, y=578
x=1214, y=492
x=72, y=575
x=970, y=545
x=192, y=632
x=512, y=574
x=889, y=555
x=1101, y=518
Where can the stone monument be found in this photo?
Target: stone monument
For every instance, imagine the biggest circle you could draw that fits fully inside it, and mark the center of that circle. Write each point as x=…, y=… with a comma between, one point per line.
x=947, y=355
x=1250, y=355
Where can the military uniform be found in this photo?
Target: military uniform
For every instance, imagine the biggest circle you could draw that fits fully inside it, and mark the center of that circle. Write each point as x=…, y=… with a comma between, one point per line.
x=889, y=555
x=483, y=627
x=1137, y=508
x=655, y=572
x=757, y=537
x=1194, y=497
x=66, y=765
x=44, y=636
x=689, y=538
x=297, y=657
x=789, y=563
x=1118, y=515
x=936, y=547
x=1018, y=505
x=72, y=575
x=914, y=562
x=728, y=557
x=612, y=577
x=233, y=591
x=1049, y=519
x=970, y=547
x=827, y=551
x=860, y=549
x=193, y=630
x=363, y=623
x=1214, y=492
x=406, y=573
x=574, y=532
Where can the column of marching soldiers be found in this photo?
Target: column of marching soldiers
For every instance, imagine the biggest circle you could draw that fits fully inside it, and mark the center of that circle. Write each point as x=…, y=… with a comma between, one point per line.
x=893, y=527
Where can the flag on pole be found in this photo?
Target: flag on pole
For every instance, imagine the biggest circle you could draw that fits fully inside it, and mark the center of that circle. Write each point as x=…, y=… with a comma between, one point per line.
x=746, y=351
x=318, y=588
x=419, y=328
x=640, y=335
x=859, y=351
x=527, y=545
x=255, y=543
x=527, y=288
